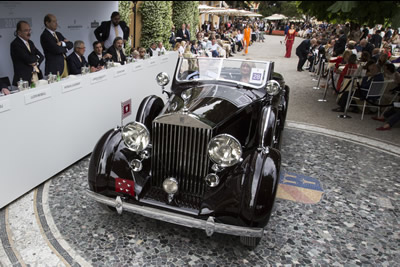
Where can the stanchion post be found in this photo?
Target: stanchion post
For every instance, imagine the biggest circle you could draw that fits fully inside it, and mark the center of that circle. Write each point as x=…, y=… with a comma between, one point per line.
x=319, y=76
x=345, y=116
x=323, y=99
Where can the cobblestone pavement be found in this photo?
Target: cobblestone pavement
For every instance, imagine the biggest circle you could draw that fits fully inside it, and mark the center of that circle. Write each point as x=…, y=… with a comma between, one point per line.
x=353, y=221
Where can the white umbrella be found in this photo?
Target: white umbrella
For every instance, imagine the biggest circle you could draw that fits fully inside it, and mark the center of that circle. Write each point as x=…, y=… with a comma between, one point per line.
x=276, y=17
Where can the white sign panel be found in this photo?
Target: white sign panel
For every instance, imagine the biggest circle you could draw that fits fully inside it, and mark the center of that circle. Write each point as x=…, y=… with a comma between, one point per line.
x=138, y=66
x=37, y=95
x=119, y=72
x=67, y=87
x=5, y=105
x=98, y=77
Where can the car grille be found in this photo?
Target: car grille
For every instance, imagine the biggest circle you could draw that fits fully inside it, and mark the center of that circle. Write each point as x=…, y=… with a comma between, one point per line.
x=180, y=152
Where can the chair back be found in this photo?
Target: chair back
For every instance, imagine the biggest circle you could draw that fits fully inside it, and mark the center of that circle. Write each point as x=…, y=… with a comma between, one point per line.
x=376, y=89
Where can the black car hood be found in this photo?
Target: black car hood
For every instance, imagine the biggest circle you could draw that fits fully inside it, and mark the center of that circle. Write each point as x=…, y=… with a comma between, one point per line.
x=213, y=104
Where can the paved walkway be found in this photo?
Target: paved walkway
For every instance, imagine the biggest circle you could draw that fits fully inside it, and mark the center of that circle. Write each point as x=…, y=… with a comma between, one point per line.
x=349, y=217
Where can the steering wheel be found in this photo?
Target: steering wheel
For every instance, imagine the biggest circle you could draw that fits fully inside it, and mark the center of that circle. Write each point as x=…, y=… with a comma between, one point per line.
x=194, y=75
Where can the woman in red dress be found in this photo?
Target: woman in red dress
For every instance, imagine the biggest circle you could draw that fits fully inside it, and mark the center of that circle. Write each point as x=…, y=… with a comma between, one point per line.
x=289, y=40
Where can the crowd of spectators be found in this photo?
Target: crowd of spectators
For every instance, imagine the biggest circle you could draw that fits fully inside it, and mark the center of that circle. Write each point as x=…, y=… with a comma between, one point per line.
x=359, y=50
x=217, y=40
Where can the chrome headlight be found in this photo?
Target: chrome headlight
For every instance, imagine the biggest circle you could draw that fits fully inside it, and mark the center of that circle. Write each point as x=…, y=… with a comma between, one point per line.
x=225, y=150
x=273, y=87
x=136, y=136
x=162, y=79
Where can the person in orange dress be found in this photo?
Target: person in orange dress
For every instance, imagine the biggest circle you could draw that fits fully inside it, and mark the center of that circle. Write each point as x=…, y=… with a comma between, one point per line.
x=289, y=40
x=246, y=38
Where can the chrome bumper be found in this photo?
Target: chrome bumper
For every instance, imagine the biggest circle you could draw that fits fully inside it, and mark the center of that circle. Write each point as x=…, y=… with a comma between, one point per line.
x=209, y=226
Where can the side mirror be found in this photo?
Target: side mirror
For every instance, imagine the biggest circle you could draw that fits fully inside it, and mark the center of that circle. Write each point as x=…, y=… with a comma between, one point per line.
x=162, y=80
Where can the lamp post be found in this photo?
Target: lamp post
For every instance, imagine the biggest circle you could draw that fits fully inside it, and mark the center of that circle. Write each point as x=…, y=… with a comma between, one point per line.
x=134, y=22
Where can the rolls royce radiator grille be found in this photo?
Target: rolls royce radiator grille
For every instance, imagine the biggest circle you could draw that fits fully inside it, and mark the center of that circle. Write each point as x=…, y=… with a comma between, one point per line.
x=180, y=152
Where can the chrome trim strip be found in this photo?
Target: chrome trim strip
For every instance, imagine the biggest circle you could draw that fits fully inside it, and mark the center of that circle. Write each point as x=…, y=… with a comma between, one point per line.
x=266, y=116
x=182, y=119
x=209, y=226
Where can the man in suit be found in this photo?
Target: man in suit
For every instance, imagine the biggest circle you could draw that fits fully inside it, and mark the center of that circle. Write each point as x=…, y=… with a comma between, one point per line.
x=172, y=37
x=152, y=50
x=77, y=59
x=108, y=30
x=303, y=50
x=376, y=39
x=340, y=44
x=25, y=56
x=98, y=58
x=116, y=51
x=182, y=34
x=55, y=47
x=366, y=46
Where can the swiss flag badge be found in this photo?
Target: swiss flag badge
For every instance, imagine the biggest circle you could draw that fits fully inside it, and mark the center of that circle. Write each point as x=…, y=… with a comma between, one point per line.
x=125, y=186
x=126, y=108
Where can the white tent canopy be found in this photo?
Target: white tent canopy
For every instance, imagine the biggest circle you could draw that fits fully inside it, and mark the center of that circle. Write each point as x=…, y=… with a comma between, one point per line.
x=276, y=17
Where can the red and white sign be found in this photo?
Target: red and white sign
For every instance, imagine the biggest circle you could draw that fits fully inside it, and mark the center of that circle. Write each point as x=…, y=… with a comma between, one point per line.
x=125, y=186
x=126, y=108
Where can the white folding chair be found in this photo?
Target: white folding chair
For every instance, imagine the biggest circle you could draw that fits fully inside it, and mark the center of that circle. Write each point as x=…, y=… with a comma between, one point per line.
x=375, y=91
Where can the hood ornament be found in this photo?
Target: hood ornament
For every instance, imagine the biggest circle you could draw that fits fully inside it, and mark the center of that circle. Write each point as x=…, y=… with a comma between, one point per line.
x=185, y=97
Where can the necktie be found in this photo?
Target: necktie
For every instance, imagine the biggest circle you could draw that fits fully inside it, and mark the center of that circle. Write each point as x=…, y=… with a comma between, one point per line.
x=116, y=31
x=35, y=68
x=55, y=36
x=118, y=56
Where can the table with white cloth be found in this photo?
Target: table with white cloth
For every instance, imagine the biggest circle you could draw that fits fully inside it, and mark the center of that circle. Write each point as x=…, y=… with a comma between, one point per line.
x=46, y=129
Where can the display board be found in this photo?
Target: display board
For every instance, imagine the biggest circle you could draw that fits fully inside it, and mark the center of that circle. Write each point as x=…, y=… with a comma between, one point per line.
x=76, y=21
x=46, y=129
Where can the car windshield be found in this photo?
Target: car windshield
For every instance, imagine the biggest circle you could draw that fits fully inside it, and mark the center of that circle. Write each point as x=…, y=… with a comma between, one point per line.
x=246, y=72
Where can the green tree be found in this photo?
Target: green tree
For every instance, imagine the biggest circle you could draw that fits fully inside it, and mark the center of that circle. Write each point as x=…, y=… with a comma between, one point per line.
x=360, y=12
x=186, y=12
x=156, y=22
x=124, y=12
x=287, y=8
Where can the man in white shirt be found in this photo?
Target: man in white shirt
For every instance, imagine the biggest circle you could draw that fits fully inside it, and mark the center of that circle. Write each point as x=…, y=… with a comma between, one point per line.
x=160, y=49
x=215, y=48
x=239, y=40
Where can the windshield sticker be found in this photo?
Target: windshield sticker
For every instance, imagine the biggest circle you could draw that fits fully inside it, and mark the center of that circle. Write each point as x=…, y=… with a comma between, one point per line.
x=256, y=75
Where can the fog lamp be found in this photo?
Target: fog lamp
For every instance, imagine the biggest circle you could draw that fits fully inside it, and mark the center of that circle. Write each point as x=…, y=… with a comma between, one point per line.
x=136, y=165
x=212, y=180
x=170, y=185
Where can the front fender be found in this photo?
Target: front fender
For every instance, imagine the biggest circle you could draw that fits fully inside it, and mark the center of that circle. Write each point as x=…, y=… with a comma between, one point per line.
x=247, y=193
x=260, y=187
x=149, y=109
x=109, y=160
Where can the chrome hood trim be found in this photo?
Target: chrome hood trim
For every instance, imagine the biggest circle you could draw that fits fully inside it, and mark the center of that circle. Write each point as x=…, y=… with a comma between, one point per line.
x=183, y=119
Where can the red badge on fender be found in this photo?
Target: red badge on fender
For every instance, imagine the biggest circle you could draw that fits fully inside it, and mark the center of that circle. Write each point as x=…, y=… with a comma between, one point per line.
x=126, y=109
x=125, y=186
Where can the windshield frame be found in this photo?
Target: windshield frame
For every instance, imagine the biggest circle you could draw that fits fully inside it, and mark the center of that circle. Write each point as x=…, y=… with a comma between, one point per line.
x=268, y=70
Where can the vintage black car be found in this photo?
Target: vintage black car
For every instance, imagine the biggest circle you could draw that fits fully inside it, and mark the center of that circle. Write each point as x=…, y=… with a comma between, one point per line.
x=208, y=158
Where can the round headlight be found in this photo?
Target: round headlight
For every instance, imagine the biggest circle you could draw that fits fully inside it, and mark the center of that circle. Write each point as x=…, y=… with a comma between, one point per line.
x=224, y=150
x=162, y=79
x=170, y=185
x=273, y=87
x=136, y=136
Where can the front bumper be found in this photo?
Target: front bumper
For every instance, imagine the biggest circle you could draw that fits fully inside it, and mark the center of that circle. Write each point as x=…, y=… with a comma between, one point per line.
x=209, y=226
